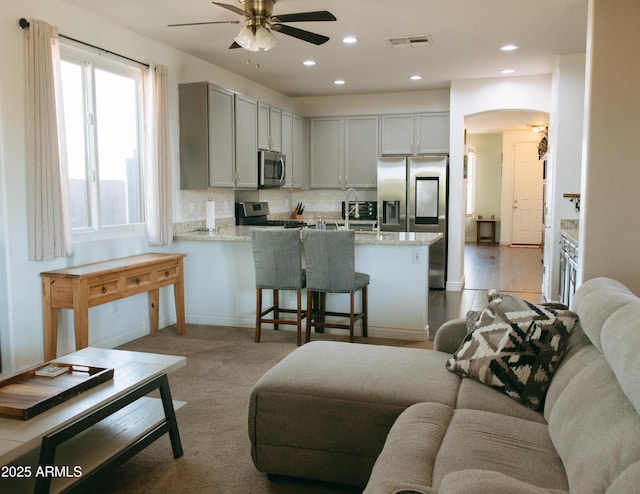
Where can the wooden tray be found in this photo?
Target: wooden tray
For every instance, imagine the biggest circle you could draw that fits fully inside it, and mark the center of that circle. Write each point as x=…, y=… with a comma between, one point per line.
x=26, y=395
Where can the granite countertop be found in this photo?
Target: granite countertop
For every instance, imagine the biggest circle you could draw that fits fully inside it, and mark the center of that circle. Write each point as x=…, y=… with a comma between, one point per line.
x=241, y=234
x=570, y=229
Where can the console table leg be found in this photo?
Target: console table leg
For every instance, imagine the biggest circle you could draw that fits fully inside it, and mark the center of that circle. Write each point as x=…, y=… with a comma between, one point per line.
x=178, y=296
x=49, y=323
x=80, y=316
x=154, y=309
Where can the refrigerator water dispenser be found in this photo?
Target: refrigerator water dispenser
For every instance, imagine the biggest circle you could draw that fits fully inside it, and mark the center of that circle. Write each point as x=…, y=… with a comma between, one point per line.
x=391, y=212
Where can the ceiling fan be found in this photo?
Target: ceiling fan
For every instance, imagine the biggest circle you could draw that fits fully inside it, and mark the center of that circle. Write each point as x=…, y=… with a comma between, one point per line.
x=257, y=34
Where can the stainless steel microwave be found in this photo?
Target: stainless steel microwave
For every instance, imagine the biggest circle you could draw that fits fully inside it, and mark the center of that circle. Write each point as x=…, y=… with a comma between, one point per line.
x=271, y=168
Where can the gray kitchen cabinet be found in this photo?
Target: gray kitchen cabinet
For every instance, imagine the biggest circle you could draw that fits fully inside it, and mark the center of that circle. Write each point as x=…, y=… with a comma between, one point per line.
x=361, y=151
x=432, y=133
x=396, y=134
x=344, y=151
x=206, y=136
x=287, y=148
x=410, y=134
x=326, y=152
x=300, y=169
x=246, y=143
x=269, y=128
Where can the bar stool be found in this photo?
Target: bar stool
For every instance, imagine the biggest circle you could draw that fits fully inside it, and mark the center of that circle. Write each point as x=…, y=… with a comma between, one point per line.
x=277, y=256
x=330, y=265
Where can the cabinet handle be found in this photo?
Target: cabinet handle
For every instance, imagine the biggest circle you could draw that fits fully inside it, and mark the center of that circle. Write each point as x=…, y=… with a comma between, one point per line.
x=104, y=289
x=137, y=281
x=166, y=273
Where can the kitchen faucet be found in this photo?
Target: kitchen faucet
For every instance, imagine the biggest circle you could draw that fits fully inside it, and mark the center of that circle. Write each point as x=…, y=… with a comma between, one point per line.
x=356, y=207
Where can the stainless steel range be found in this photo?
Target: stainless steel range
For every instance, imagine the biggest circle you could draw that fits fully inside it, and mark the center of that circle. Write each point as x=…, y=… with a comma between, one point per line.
x=255, y=214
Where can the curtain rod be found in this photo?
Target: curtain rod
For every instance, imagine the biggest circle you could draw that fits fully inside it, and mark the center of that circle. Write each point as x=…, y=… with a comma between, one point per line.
x=23, y=23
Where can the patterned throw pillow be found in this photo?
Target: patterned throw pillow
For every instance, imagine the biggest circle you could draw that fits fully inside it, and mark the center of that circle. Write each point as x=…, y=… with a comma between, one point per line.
x=514, y=346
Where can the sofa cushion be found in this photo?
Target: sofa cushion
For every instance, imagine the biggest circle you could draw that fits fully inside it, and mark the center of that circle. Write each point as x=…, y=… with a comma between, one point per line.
x=487, y=482
x=595, y=301
x=580, y=352
x=620, y=338
x=594, y=428
x=406, y=461
x=515, y=347
x=520, y=449
x=477, y=396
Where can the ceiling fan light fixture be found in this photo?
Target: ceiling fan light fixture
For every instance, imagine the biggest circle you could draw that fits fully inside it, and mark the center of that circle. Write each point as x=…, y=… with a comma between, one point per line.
x=246, y=39
x=265, y=40
x=261, y=39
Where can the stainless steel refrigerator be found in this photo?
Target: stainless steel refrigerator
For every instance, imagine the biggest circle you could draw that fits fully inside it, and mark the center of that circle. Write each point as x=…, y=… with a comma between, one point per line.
x=412, y=196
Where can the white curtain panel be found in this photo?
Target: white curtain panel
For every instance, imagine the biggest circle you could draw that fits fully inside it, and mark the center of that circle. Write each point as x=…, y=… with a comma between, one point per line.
x=158, y=169
x=47, y=183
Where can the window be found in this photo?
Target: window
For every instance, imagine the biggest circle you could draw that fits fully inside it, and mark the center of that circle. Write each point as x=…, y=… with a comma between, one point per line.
x=102, y=102
x=470, y=207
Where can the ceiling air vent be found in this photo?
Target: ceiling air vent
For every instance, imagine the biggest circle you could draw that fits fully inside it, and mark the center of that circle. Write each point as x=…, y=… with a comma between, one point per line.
x=409, y=41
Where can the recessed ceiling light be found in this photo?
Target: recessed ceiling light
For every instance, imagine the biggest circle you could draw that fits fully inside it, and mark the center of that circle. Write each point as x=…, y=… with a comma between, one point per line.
x=309, y=63
x=338, y=82
x=507, y=71
x=509, y=47
x=415, y=77
x=349, y=39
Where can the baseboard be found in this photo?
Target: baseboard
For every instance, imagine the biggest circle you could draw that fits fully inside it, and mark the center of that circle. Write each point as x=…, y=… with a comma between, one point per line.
x=455, y=286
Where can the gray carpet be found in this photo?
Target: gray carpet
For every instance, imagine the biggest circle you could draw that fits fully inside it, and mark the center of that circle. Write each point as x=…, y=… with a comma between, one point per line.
x=222, y=366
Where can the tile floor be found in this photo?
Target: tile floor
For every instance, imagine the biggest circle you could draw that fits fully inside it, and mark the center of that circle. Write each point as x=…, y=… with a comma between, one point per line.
x=516, y=270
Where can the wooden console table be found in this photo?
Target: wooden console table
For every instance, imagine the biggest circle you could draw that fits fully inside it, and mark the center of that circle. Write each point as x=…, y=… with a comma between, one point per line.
x=81, y=287
x=492, y=222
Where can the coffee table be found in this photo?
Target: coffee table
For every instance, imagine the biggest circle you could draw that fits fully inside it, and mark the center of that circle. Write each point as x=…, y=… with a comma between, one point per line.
x=100, y=428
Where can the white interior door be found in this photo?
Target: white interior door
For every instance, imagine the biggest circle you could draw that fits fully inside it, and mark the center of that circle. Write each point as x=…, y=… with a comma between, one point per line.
x=527, y=195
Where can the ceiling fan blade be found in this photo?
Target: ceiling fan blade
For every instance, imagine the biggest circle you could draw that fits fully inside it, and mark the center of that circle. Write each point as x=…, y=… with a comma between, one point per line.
x=320, y=15
x=316, y=39
x=234, y=45
x=232, y=8
x=202, y=23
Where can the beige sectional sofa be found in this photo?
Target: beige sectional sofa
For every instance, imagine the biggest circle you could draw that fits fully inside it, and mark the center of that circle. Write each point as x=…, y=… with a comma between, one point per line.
x=396, y=420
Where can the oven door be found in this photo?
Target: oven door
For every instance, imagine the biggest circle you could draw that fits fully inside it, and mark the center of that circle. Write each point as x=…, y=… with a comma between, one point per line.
x=271, y=169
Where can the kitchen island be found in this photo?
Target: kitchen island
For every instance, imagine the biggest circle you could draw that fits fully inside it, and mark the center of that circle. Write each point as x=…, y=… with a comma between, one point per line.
x=220, y=280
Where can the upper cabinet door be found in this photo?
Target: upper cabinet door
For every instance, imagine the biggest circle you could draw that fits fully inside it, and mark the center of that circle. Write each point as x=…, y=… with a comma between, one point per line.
x=326, y=152
x=361, y=151
x=221, y=137
x=269, y=128
x=275, y=129
x=287, y=148
x=263, y=126
x=397, y=134
x=246, y=142
x=432, y=133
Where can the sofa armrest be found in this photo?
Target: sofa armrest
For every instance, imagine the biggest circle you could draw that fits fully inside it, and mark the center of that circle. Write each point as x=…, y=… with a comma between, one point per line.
x=487, y=482
x=450, y=335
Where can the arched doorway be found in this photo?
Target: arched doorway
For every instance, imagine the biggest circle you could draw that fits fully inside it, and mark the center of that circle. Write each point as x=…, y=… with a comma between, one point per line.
x=497, y=141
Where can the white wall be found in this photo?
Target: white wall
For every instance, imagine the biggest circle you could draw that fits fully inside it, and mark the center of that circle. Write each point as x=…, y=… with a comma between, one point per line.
x=564, y=159
x=372, y=104
x=609, y=233
x=20, y=293
x=467, y=98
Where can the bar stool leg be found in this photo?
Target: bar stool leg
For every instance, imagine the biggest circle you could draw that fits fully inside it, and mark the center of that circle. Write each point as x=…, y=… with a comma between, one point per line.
x=299, y=315
x=365, y=310
x=352, y=318
x=276, y=308
x=310, y=315
x=258, y=312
